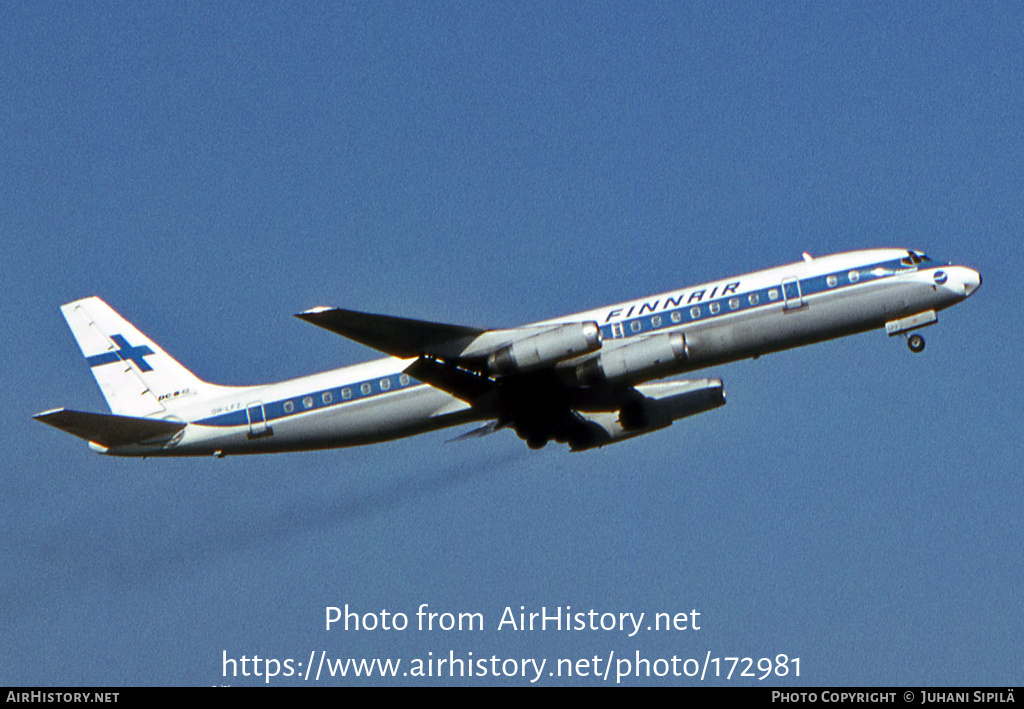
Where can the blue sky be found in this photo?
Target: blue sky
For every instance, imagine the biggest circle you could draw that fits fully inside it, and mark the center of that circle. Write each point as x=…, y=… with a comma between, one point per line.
x=210, y=169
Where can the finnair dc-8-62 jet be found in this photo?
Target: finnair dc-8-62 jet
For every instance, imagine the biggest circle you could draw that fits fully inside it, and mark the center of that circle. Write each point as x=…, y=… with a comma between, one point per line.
x=583, y=379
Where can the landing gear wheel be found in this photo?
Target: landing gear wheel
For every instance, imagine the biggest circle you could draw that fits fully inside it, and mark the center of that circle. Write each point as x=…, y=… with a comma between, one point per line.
x=915, y=343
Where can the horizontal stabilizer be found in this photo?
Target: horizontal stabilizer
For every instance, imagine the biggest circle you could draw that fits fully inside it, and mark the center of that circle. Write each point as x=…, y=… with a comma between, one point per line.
x=399, y=337
x=110, y=430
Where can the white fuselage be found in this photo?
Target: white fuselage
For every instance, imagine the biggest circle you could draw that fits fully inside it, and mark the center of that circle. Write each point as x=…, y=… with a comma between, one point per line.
x=722, y=321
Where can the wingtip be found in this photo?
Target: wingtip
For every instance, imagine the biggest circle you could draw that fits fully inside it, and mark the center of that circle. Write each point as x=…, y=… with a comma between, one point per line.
x=314, y=311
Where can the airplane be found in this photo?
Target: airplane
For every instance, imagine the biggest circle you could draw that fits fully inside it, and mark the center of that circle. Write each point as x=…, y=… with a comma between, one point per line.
x=587, y=380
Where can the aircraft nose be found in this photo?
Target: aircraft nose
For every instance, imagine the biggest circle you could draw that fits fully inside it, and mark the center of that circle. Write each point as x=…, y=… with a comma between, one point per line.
x=971, y=281
x=961, y=281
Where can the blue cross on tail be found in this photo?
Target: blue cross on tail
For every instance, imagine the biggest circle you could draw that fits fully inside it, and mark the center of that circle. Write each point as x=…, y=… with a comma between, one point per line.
x=125, y=353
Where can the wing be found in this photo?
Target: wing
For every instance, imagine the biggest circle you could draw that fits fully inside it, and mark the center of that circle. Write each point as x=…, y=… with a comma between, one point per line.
x=400, y=337
x=548, y=382
x=495, y=352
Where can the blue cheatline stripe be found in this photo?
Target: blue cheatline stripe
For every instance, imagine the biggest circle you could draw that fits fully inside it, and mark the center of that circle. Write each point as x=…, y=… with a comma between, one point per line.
x=318, y=400
x=126, y=352
x=687, y=313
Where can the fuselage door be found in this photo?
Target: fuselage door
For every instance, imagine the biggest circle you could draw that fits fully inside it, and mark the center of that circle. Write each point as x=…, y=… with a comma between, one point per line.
x=791, y=293
x=257, y=420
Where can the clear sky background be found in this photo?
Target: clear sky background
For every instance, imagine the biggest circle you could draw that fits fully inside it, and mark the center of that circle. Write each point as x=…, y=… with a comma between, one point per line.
x=210, y=169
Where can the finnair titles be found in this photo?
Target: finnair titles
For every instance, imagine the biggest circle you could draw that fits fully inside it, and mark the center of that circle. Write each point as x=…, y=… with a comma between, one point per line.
x=586, y=380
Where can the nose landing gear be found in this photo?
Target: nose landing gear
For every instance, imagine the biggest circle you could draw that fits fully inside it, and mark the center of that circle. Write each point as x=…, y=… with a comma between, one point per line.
x=904, y=325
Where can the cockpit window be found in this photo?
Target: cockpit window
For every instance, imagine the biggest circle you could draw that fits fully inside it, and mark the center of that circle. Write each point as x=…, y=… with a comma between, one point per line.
x=913, y=258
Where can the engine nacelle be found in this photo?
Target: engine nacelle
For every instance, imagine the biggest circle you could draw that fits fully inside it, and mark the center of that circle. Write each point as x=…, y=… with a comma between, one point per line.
x=639, y=359
x=546, y=348
x=660, y=405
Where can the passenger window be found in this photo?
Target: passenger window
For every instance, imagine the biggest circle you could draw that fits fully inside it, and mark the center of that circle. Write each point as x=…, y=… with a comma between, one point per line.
x=714, y=308
x=617, y=330
x=854, y=276
x=695, y=312
x=403, y=380
x=307, y=402
x=832, y=281
x=753, y=298
x=773, y=294
x=346, y=393
x=385, y=384
x=656, y=321
x=365, y=388
x=734, y=303
x=635, y=326
x=327, y=398
x=289, y=407
x=676, y=317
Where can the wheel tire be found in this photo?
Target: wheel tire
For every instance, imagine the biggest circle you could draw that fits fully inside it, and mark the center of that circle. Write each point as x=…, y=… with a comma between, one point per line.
x=536, y=442
x=915, y=343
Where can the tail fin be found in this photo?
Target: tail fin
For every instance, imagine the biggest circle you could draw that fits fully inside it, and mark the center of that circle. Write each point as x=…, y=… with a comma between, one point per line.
x=136, y=376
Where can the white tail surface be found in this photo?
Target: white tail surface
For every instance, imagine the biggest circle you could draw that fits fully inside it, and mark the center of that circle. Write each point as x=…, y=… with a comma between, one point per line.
x=136, y=376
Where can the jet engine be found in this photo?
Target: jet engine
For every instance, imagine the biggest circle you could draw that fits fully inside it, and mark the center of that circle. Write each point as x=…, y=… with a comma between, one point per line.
x=545, y=348
x=656, y=407
x=639, y=359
